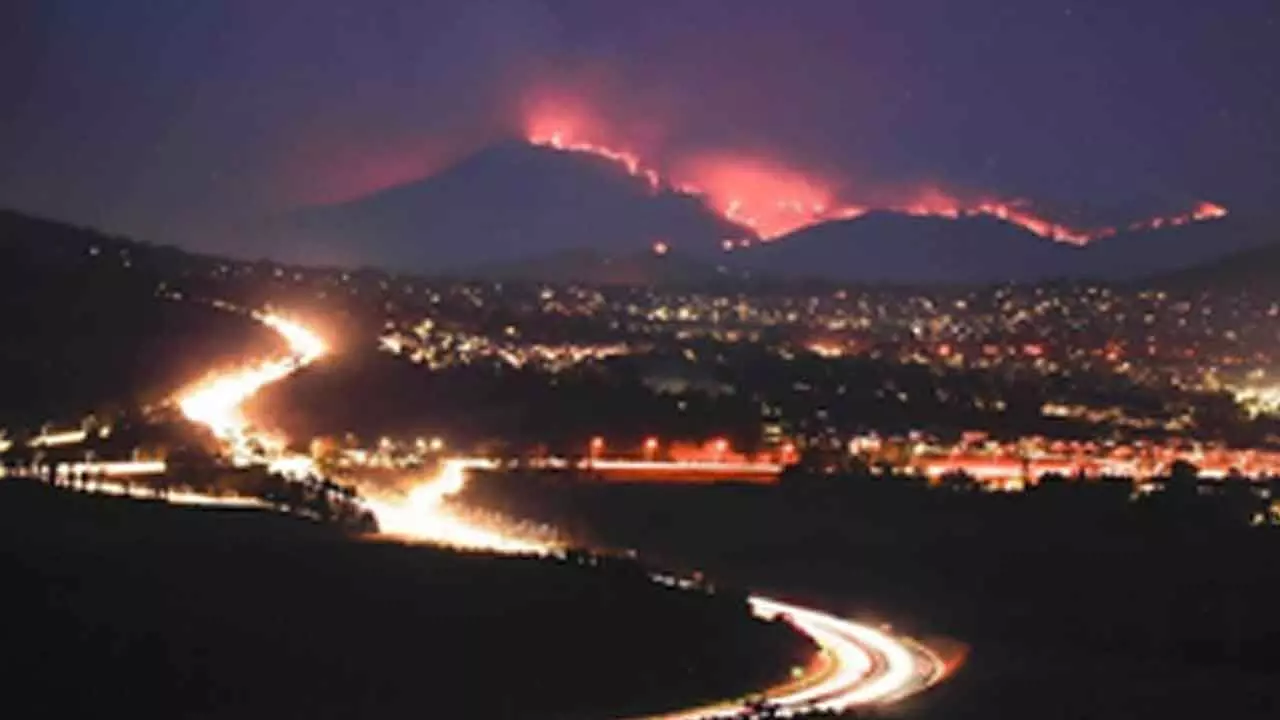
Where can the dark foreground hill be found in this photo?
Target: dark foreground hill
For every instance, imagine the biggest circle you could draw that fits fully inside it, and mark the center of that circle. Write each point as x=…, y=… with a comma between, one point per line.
x=129, y=609
x=1074, y=601
x=89, y=323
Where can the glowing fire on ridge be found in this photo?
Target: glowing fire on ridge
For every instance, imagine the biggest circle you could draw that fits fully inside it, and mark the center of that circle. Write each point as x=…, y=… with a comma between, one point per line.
x=773, y=201
x=767, y=198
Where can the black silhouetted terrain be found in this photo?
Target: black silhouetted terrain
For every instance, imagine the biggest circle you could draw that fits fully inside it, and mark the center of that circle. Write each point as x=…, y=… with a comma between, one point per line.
x=1074, y=602
x=125, y=608
x=88, y=324
x=534, y=200
x=1254, y=269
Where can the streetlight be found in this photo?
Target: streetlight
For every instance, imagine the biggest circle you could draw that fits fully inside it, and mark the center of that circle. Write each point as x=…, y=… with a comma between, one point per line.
x=720, y=446
x=650, y=447
x=596, y=447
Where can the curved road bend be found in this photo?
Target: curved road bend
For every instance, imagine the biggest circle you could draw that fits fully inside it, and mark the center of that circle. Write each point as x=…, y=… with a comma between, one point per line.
x=858, y=664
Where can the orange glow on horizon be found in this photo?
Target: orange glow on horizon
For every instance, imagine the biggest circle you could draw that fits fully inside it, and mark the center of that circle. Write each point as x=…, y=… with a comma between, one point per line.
x=561, y=140
x=769, y=200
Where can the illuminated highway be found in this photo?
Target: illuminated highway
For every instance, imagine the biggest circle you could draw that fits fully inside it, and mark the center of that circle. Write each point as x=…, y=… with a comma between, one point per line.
x=858, y=665
x=217, y=401
x=866, y=666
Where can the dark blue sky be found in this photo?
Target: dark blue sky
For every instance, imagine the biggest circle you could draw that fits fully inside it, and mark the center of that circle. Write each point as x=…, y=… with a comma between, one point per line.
x=169, y=119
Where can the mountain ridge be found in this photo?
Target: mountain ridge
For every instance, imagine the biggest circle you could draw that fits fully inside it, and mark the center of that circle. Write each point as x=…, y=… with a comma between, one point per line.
x=28, y=238
x=515, y=201
x=536, y=200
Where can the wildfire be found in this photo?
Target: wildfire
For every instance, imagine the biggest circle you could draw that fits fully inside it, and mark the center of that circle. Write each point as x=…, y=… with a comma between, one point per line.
x=1204, y=211
x=771, y=201
x=628, y=160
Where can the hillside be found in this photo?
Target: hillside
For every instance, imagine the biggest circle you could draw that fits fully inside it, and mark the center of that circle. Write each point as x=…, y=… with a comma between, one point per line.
x=885, y=247
x=1067, y=587
x=89, y=325
x=508, y=201
x=1134, y=255
x=242, y=614
x=639, y=268
x=1253, y=269
x=514, y=203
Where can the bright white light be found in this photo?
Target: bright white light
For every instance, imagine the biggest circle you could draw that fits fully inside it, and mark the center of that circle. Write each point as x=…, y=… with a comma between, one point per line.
x=59, y=439
x=867, y=666
x=216, y=402
x=423, y=514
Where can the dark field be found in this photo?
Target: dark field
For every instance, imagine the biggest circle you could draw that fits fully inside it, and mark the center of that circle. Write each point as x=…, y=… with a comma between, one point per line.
x=118, y=608
x=1074, y=603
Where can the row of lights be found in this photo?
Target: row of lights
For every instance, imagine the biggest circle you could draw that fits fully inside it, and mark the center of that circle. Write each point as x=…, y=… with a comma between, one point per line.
x=651, y=444
x=719, y=446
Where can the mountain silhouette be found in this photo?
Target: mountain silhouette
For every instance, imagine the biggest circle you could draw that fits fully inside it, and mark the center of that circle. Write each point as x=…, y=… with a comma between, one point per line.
x=1254, y=269
x=508, y=201
x=877, y=248
x=515, y=203
x=1143, y=253
x=888, y=247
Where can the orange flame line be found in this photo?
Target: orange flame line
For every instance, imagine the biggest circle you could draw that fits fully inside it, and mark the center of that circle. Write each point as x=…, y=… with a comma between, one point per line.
x=787, y=215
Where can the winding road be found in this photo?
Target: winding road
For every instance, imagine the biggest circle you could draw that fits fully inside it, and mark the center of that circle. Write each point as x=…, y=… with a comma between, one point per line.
x=858, y=665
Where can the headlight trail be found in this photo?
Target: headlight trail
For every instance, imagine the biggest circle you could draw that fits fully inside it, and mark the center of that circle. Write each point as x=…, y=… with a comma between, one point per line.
x=863, y=665
x=423, y=514
x=217, y=401
x=872, y=666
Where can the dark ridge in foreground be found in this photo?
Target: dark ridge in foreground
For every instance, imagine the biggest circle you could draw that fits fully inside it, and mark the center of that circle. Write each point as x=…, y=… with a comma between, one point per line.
x=1075, y=601
x=116, y=607
x=89, y=323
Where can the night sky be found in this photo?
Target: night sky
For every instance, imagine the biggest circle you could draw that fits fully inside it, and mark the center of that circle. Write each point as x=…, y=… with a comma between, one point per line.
x=170, y=120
